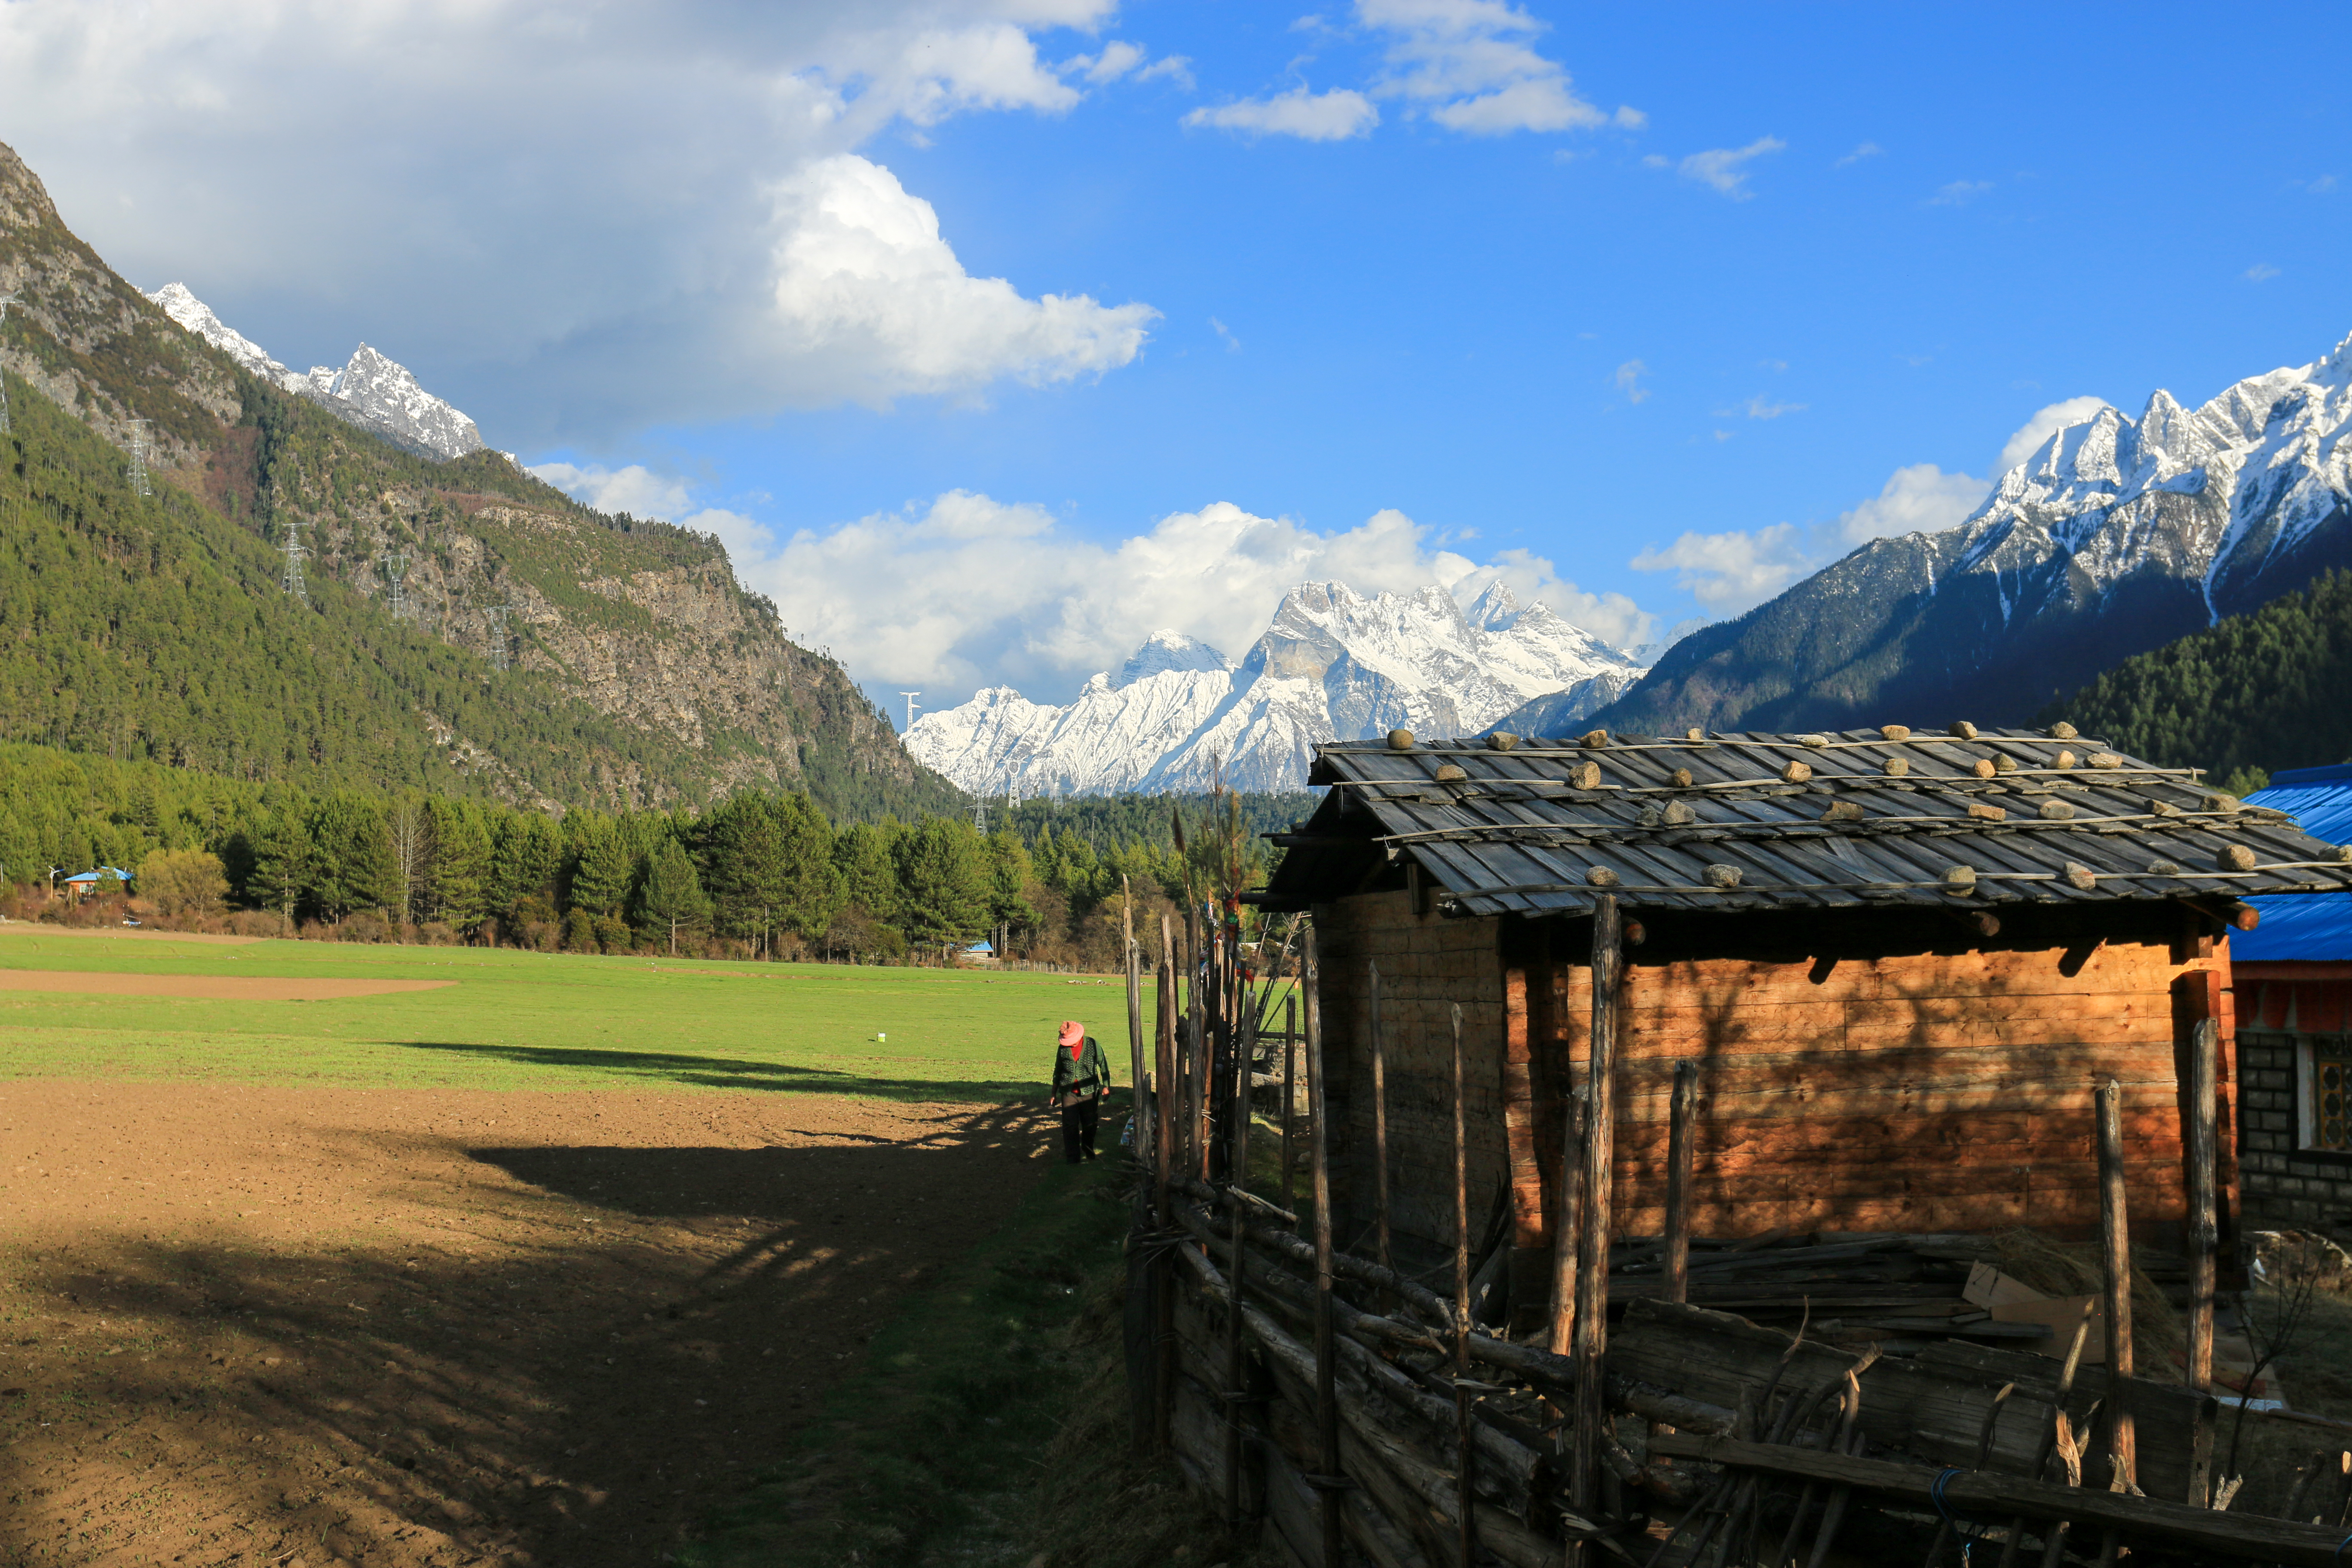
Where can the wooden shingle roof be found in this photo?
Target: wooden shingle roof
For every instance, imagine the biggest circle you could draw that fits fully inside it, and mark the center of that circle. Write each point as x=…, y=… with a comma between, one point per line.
x=1957, y=818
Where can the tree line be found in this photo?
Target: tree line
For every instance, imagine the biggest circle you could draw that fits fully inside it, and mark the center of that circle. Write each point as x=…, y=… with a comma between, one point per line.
x=760, y=874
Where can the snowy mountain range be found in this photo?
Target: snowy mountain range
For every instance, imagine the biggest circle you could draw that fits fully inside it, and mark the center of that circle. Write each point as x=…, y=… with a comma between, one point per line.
x=1332, y=665
x=370, y=391
x=2117, y=536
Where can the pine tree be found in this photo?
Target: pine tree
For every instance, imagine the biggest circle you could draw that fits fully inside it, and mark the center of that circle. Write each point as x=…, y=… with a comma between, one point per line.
x=943, y=880
x=673, y=900
x=461, y=865
x=601, y=866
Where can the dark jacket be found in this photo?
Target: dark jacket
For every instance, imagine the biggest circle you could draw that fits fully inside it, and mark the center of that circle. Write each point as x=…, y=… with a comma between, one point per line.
x=1088, y=1076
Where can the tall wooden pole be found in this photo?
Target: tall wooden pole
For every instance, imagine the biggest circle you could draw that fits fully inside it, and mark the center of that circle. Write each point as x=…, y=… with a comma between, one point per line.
x=1236, y=1366
x=1678, y=1180
x=1289, y=1097
x=1197, y=985
x=1163, y=1169
x=1465, y=1499
x=1567, y=1228
x=1379, y=1128
x=1593, y=1246
x=1326, y=1399
x=2115, y=1259
x=2204, y=1226
x=1135, y=1079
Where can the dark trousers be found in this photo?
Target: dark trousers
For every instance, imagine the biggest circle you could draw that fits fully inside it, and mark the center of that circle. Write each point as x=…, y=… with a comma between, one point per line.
x=1078, y=1130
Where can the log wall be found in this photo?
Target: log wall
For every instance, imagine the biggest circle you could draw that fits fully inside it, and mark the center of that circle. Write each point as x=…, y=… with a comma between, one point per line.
x=1944, y=1089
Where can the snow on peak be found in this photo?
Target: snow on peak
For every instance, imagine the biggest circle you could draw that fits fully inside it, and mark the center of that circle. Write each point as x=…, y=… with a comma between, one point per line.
x=371, y=391
x=1332, y=664
x=1168, y=649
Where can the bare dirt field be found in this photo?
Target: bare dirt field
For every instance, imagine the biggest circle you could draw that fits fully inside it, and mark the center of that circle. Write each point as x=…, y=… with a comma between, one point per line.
x=412, y=1327
x=210, y=987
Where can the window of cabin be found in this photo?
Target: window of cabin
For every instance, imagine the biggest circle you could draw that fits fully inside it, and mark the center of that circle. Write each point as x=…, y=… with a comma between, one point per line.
x=2326, y=1097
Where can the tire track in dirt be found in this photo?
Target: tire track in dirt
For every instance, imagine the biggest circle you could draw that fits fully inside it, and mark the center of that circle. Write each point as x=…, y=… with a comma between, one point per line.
x=416, y=1328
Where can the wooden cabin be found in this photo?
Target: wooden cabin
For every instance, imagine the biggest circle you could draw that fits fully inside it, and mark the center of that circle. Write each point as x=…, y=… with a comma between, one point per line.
x=2294, y=979
x=1901, y=962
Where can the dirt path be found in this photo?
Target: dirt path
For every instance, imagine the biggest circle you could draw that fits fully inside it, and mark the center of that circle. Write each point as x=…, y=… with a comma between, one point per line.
x=411, y=1328
x=214, y=987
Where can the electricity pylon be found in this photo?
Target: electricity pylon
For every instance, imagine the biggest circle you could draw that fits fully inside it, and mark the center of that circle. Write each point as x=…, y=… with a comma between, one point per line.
x=294, y=550
x=11, y=298
x=498, y=617
x=137, y=473
x=911, y=706
x=395, y=568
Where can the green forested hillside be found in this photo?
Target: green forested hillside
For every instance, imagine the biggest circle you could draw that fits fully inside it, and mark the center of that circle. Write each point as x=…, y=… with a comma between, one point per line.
x=2267, y=690
x=149, y=627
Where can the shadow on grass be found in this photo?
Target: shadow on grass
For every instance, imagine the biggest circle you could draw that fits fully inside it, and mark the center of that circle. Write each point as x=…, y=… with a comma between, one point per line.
x=735, y=1072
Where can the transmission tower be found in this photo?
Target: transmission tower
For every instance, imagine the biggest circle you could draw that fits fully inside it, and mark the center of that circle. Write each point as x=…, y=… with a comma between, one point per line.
x=294, y=550
x=5, y=301
x=138, y=470
x=497, y=618
x=395, y=568
x=911, y=706
x=980, y=815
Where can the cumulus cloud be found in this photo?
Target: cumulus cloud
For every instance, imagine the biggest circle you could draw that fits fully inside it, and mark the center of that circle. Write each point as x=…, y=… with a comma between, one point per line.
x=2045, y=423
x=566, y=219
x=1471, y=66
x=1736, y=570
x=1334, y=116
x=868, y=293
x=966, y=591
x=1726, y=168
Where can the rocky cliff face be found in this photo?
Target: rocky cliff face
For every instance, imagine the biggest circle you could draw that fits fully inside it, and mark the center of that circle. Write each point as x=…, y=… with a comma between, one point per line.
x=1332, y=665
x=640, y=622
x=2117, y=536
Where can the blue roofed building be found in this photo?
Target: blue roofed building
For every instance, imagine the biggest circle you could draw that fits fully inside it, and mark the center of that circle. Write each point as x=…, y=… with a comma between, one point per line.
x=2293, y=981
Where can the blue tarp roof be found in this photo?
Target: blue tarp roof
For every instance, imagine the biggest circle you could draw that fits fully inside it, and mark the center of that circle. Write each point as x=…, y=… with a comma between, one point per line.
x=2296, y=926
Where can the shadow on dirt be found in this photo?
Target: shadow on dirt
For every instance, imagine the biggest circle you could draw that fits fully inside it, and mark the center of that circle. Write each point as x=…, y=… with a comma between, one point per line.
x=735, y=1072
x=571, y=1359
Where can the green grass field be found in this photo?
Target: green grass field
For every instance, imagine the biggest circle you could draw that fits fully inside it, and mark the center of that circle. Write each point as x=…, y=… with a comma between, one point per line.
x=522, y=1020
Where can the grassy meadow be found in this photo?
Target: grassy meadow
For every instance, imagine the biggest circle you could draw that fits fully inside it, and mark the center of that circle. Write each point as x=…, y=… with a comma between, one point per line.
x=545, y=1021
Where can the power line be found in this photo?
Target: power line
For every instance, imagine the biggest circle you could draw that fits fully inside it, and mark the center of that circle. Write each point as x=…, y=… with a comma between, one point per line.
x=137, y=473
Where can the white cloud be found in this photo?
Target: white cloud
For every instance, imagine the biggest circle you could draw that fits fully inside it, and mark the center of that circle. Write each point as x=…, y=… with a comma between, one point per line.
x=2261, y=272
x=1118, y=59
x=1232, y=343
x=1867, y=149
x=1726, y=168
x=1958, y=194
x=870, y=296
x=564, y=218
x=1628, y=380
x=1333, y=116
x=1736, y=570
x=1177, y=68
x=968, y=591
x=1758, y=408
x=1471, y=66
x=2045, y=423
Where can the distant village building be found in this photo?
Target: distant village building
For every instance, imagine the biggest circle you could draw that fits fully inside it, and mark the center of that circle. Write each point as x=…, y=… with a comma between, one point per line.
x=104, y=879
x=2294, y=1025
x=1900, y=962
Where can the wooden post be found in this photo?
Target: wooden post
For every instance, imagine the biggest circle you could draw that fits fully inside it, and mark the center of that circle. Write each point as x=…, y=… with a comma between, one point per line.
x=1380, y=1128
x=1135, y=1079
x=1326, y=1399
x=1678, y=1180
x=1197, y=984
x=1236, y=1365
x=2114, y=1258
x=1465, y=1499
x=2204, y=1152
x=1568, y=1226
x=1289, y=1097
x=1591, y=1340
x=1164, y=1168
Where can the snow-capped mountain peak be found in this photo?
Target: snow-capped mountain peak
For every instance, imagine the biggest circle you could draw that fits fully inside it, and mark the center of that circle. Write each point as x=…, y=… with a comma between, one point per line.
x=1332, y=664
x=371, y=391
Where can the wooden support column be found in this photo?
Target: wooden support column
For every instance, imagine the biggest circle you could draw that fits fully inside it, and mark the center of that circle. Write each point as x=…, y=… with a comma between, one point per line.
x=1137, y=1100
x=1379, y=1128
x=1591, y=1340
x=1679, y=1130
x=2114, y=1263
x=1329, y=1480
x=1164, y=1168
x=1236, y=1348
x=2201, y=1136
x=1289, y=1096
x=1567, y=1228
x=1521, y=1143
x=1465, y=1496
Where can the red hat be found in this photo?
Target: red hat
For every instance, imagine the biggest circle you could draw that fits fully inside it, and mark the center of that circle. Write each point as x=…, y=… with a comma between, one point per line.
x=1072, y=1032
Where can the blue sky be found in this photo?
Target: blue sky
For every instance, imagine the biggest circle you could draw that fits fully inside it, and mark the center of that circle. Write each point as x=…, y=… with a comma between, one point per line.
x=1644, y=310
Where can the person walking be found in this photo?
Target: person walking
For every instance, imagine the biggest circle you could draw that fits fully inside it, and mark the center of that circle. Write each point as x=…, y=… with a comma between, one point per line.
x=1081, y=1083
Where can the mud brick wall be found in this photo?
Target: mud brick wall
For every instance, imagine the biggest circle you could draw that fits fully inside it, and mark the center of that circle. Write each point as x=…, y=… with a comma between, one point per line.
x=2282, y=1183
x=1426, y=964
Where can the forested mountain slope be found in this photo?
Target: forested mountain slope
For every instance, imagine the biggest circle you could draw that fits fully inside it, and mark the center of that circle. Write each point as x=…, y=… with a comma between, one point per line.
x=2272, y=689
x=641, y=671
